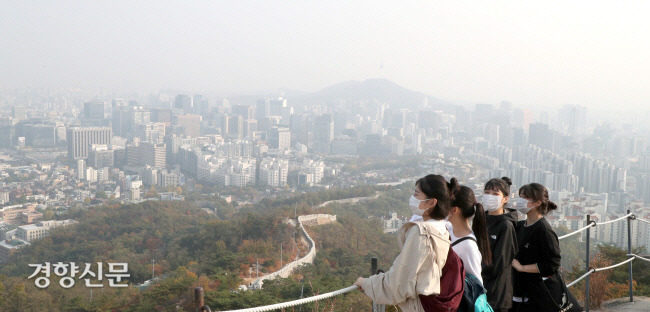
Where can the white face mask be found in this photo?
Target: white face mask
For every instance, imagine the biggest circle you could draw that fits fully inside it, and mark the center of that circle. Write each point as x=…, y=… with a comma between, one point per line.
x=491, y=202
x=522, y=205
x=414, y=204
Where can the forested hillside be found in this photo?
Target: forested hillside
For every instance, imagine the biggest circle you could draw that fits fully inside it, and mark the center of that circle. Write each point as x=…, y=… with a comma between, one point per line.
x=194, y=248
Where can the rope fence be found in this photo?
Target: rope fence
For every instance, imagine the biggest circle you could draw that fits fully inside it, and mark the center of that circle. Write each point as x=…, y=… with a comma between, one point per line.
x=277, y=306
x=591, y=224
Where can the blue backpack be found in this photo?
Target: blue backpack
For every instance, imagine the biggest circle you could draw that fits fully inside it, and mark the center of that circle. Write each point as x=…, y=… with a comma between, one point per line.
x=474, y=296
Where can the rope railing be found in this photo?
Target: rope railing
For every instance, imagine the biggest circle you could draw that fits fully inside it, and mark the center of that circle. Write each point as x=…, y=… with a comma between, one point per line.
x=645, y=221
x=639, y=257
x=614, y=265
x=581, y=277
x=594, y=270
x=594, y=224
x=288, y=304
x=591, y=224
x=616, y=220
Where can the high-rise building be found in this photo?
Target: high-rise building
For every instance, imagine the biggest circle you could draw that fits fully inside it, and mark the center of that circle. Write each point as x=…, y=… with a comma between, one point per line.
x=573, y=118
x=262, y=108
x=279, y=138
x=250, y=127
x=39, y=135
x=80, y=139
x=190, y=123
x=18, y=113
x=540, y=135
x=299, y=126
x=94, y=110
x=6, y=133
x=184, y=102
x=232, y=126
x=323, y=133
x=163, y=115
x=151, y=132
x=247, y=112
x=154, y=155
x=100, y=156
x=81, y=169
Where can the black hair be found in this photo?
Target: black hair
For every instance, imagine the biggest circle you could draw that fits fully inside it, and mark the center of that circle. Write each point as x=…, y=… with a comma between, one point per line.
x=465, y=200
x=537, y=192
x=502, y=185
x=435, y=186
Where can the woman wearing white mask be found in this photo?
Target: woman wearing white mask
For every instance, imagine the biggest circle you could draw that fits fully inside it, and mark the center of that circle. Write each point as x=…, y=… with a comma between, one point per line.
x=497, y=276
x=417, y=270
x=536, y=282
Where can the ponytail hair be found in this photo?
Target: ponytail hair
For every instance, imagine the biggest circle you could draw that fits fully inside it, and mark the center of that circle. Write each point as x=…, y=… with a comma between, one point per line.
x=537, y=192
x=465, y=200
x=502, y=185
x=435, y=186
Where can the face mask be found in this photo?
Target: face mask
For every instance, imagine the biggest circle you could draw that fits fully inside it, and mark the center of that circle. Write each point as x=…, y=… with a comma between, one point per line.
x=522, y=205
x=491, y=202
x=414, y=204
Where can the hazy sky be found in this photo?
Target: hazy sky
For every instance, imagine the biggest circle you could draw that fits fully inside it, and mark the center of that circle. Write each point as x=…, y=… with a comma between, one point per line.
x=593, y=53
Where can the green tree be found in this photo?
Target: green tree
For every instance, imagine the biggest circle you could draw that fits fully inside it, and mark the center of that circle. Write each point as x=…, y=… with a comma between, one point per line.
x=101, y=195
x=16, y=299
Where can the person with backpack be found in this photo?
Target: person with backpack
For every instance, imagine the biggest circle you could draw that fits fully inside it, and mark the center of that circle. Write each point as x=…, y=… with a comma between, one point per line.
x=538, y=285
x=497, y=276
x=471, y=245
x=426, y=275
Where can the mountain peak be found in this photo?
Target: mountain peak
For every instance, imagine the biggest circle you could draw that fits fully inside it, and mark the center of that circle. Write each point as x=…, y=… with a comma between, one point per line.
x=373, y=90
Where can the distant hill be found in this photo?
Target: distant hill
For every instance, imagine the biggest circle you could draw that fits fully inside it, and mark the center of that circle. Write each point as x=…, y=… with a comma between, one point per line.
x=371, y=91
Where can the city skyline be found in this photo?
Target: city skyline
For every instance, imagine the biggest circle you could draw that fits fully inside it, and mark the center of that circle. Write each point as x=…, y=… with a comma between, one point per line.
x=547, y=54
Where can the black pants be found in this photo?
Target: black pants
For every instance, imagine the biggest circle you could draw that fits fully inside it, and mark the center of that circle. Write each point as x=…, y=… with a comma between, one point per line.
x=522, y=307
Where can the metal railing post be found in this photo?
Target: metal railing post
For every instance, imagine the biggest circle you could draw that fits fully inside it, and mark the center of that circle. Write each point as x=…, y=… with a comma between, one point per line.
x=198, y=298
x=199, y=303
x=373, y=271
x=629, y=251
x=587, y=260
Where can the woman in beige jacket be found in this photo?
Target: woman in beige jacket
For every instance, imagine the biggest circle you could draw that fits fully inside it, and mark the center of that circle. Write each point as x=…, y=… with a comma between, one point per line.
x=418, y=267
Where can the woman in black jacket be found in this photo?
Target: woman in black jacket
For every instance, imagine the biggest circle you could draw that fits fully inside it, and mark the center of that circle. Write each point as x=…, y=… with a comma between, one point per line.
x=497, y=276
x=538, y=257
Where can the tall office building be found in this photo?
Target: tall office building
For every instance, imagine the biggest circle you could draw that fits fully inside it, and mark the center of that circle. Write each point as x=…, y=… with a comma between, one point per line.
x=573, y=118
x=94, y=110
x=299, y=126
x=6, y=133
x=183, y=102
x=81, y=169
x=100, y=156
x=262, y=108
x=190, y=123
x=153, y=154
x=39, y=135
x=79, y=140
x=151, y=132
x=540, y=135
x=247, y=112
x=323, y=133
x=18, y=113
x=280, y=138
x=232, y=126
x=163, y=115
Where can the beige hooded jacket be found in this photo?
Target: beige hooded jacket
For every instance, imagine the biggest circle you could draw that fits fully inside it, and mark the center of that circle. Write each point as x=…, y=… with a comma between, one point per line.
x=416, y=270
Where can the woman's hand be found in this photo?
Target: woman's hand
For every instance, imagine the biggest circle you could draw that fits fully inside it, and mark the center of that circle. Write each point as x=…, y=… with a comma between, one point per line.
x=517, y=266
x=359, y=282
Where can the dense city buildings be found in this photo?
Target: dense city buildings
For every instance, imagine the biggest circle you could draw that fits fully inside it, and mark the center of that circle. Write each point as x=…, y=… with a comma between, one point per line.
x=138, y=149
